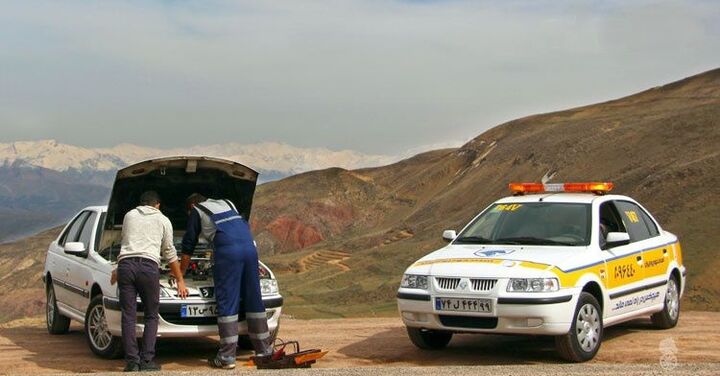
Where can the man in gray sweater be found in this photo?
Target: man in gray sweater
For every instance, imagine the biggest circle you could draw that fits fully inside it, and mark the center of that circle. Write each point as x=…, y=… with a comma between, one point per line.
x=147, y=236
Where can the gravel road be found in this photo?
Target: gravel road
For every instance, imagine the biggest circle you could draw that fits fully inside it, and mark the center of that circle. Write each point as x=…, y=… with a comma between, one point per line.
x=380, y=346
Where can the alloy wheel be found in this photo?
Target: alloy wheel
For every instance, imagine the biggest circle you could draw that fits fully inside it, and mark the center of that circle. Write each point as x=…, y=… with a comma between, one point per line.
x=50, y=307
x=98, y=328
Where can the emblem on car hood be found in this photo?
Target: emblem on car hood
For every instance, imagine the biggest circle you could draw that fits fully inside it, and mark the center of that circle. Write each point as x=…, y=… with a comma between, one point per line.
x=494, y=252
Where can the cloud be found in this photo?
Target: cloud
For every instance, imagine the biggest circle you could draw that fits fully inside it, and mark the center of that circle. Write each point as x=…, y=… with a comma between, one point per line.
x=371, y=75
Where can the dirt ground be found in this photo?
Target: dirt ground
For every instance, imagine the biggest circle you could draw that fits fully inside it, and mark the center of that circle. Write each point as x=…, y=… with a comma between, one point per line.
x=26, y=347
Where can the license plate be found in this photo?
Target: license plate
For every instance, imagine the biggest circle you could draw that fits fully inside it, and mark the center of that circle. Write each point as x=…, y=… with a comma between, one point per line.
x=198, y=310
x=463, y=305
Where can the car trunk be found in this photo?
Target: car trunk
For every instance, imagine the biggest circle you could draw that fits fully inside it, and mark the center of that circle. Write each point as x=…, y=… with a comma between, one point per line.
x=174, y=179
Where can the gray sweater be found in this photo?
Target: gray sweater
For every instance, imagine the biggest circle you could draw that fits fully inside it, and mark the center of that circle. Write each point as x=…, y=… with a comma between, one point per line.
x=147, y=233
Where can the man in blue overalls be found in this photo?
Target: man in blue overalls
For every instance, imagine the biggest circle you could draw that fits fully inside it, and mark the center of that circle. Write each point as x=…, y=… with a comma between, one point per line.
x=235, y=273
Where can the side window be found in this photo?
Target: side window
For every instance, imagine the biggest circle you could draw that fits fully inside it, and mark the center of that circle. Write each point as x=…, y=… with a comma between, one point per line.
x=71, y=234
x=87, y=230
x=610, y=219
x=631, y=215
x=98, y=233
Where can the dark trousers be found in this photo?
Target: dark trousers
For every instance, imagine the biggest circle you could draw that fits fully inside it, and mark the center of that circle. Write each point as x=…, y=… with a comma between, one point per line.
x=139, y=276
x=235, y=273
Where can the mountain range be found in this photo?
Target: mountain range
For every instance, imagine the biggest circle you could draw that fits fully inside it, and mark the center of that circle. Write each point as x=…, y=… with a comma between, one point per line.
x=339, y=239
x=44, y=182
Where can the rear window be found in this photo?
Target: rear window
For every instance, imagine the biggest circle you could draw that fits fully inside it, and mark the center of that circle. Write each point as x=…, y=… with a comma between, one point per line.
x=536, y=223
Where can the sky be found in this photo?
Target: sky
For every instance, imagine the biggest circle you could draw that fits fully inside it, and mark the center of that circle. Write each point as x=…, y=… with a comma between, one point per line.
x=375, y=76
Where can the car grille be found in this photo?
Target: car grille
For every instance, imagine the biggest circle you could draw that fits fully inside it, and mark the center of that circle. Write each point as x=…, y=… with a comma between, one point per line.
x=448, y=283
x=483, y=284
x=469, y=322
x=177, y=320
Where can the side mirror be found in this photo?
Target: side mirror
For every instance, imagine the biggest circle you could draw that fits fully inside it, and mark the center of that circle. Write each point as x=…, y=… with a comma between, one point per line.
x=449, y=235
x=615, y=239
x=76, y=249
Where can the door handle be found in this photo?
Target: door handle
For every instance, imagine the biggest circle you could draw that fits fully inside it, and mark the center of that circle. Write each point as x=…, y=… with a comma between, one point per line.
x=639, y=259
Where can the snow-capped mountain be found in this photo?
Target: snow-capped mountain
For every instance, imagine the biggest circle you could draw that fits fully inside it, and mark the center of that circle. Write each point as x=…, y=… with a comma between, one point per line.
x=273, y=158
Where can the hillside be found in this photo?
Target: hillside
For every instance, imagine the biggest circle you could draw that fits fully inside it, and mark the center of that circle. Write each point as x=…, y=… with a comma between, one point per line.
x=33, y=199
x=339, y=240
x=21, y=266
x=659, y=146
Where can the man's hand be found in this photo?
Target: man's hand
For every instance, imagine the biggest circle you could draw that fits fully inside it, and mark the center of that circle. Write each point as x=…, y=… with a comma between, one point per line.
x=113, y=277
x=181, y=289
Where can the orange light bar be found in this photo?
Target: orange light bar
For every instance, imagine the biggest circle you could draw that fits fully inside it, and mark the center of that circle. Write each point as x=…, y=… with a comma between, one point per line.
x=589, y=187
x=595, y=187
x=527, y=187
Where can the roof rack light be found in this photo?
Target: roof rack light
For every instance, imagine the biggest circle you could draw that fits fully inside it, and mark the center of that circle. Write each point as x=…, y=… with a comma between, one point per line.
x=599, y=188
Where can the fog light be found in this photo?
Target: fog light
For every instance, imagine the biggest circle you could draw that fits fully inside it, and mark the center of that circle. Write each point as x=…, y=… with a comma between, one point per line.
x=408, y=316
x=534, y=322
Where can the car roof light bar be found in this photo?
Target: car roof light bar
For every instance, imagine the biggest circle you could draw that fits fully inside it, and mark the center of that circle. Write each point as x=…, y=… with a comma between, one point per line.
x=599, y=188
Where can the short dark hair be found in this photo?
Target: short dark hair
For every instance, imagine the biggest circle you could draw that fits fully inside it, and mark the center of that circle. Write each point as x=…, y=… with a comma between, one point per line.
x=194, y=199
x=150, y=198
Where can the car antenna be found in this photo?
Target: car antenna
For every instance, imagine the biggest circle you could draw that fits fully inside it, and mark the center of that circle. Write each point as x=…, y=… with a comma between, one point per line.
x=546, y=178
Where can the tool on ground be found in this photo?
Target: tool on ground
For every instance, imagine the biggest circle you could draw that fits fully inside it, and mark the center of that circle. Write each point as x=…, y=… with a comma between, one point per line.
x=281, y=359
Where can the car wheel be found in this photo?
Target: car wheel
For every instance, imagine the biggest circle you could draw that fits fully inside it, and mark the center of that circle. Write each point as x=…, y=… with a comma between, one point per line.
x=56, y=323
x=668, y=317
x=245, y=344
x=97, y=333
x=429, y=339
x=583, y=340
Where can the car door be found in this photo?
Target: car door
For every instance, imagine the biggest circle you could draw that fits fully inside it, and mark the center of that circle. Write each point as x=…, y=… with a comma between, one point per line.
x=64, y=292
x=80, y=274
x=645, y=234
x=623, y=261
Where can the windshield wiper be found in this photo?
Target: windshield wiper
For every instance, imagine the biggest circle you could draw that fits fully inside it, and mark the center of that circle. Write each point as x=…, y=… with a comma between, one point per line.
x=473, y=240
x=531, y=240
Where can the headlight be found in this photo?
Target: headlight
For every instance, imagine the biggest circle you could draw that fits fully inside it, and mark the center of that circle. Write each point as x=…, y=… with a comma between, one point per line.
x=533, y=285
x=269, y=286
x=164, y=293
x=413, y=281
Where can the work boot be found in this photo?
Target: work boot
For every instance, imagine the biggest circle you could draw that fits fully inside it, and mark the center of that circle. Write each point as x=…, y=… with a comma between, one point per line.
x=132, y=366
x=149, y=366
x=216, y=362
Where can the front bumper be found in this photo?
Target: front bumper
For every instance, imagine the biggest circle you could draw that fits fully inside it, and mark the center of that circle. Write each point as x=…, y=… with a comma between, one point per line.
x=170, y=324
x=548, y=314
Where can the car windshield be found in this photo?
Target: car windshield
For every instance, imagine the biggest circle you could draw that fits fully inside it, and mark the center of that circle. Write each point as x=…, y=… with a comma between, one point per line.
x=535, y=223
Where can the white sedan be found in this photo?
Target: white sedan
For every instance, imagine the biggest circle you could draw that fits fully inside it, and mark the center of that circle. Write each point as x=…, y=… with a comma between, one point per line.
x=565, y=260
x=79, y=262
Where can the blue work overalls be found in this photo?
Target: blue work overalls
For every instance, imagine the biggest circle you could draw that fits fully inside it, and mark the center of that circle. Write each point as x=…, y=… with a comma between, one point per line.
x=235, y=273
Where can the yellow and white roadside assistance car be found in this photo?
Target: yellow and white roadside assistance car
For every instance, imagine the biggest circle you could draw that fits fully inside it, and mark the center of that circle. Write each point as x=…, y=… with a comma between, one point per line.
x=564, y=260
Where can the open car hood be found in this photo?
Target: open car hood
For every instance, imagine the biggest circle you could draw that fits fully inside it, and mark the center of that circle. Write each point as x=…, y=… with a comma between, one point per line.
x=176, y=178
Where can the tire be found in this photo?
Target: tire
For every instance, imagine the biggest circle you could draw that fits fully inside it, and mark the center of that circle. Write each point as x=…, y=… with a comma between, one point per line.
x=583, y=340
x=429, y=339
x=56, y=323
x=99, y=339
x=670, y=314
x=245, y=344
